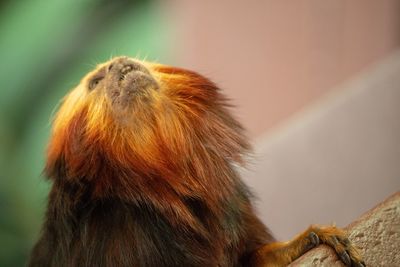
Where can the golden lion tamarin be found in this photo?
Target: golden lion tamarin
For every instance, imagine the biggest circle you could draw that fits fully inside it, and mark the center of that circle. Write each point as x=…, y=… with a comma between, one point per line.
x=142, y=160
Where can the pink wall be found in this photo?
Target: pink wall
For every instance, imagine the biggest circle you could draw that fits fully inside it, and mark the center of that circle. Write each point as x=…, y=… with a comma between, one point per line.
x=275, y=57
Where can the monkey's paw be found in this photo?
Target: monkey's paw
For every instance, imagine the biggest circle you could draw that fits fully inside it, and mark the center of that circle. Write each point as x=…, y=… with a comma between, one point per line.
x=336, y=239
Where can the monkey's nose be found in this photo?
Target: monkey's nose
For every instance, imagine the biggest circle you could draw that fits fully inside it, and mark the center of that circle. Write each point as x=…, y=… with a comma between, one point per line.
x=121, y=67
x=126, y=65
x=126, y=69
x=129, y=65
x=128, y=76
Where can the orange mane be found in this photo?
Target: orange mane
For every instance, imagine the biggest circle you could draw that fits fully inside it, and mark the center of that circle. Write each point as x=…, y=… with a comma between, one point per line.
x=179, y=142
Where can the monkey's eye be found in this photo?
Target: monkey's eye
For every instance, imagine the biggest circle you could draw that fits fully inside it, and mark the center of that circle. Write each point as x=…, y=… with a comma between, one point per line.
x=94, y=82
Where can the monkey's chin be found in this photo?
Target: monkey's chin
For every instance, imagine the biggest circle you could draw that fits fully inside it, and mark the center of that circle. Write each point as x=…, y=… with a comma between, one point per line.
x=137, y=82
x=133, y=88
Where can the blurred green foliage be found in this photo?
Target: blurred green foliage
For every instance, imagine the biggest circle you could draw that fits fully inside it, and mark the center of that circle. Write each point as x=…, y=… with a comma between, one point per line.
x=45, y=49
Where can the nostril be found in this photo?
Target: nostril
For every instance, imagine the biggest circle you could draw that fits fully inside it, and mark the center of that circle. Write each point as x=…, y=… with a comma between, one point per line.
x=126, y=69
x=110, y=67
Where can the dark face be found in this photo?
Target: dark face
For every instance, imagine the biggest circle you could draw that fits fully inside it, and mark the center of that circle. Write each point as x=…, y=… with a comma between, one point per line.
x=122, y=80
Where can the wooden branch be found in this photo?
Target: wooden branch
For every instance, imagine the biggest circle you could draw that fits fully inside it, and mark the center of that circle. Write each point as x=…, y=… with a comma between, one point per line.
x=376, y=234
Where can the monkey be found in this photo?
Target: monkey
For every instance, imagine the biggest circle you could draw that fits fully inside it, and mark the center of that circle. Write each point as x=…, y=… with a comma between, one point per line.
x=143, y=164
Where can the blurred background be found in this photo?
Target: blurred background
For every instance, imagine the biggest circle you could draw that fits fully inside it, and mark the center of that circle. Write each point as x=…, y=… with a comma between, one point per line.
x=316, y=83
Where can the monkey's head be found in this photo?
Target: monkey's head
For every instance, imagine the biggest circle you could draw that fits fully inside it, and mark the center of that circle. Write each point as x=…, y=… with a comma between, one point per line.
x=135, y=118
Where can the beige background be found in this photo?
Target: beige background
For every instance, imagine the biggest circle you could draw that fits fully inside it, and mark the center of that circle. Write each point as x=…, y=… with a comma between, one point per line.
x=276, y=59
